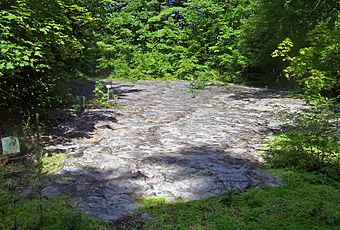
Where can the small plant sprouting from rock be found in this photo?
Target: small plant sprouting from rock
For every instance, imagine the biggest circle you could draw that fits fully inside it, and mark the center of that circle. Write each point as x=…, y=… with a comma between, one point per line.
x=103, y=95
x=79, y=105
x=195, y=87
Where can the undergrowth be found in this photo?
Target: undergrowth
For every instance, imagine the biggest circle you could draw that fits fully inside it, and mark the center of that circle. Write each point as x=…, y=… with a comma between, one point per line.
x=303, y=201
x=103, y=95
x=308, y=142
x=19, y=209
x=53, y=163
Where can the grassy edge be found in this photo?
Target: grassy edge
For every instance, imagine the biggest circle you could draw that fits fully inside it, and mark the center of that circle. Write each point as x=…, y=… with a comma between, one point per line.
x=304, y=201
x=18, y=211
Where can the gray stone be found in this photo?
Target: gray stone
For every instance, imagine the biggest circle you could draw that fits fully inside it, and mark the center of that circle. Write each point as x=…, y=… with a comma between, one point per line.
x=146, y=216
x=50, y=191
x=160, y=141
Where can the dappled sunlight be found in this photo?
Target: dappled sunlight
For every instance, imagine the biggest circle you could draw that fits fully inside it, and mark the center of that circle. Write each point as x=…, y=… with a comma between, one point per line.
x=165, y=143
x=190, y=174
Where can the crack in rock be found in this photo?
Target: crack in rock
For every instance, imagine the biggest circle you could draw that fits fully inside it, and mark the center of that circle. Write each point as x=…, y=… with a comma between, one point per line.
x=163, y=142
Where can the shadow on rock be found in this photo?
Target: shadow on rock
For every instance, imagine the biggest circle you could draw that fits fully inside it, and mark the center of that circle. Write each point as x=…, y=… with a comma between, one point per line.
x=85, y=88
x=122, y=90
x=189, y=174
x=82, y=127
x=254, y=93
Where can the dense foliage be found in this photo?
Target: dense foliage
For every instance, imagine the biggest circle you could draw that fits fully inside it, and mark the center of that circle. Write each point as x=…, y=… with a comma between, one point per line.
x=44, y=45
x=272, y=22
x=173, y=40
x=40, y=47
x=316, y=67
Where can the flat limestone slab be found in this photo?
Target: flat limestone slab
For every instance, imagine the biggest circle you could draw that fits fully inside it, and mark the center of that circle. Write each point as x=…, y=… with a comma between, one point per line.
x=162, y=141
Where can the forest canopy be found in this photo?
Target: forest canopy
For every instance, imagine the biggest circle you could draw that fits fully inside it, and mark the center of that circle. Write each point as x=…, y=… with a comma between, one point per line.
x=44, y=44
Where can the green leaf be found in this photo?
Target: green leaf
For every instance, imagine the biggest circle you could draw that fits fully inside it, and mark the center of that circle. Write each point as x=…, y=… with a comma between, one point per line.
x=10, y=65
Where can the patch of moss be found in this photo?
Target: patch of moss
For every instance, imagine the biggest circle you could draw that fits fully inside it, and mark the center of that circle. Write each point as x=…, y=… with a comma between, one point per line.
x=150, y=202
x=53, y=163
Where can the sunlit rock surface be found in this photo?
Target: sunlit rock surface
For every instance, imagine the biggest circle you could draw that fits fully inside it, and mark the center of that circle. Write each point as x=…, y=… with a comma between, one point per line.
x=162, y=141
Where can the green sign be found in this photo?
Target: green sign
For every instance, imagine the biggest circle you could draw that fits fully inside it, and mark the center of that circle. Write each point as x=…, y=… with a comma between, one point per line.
x=10, y=145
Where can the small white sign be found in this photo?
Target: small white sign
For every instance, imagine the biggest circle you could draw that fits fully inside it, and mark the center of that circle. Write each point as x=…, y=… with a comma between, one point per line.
x=10, y=145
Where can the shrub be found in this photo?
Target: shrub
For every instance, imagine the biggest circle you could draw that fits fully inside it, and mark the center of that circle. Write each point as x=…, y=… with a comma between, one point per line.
x=102, y=98
x=316, y=67
x=309, y=142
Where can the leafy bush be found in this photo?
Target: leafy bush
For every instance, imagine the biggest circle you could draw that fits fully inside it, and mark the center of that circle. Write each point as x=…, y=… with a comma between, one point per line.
x=189, y=39
x=309, y=143
x=270, y=22
x=315, y=67
x=40, y=48
x=102, y=96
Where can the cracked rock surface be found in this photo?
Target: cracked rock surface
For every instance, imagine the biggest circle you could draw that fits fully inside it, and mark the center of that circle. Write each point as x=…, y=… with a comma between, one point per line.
x=162, y=141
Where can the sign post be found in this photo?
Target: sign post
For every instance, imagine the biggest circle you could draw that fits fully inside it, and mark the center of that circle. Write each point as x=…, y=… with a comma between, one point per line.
x=108, y=87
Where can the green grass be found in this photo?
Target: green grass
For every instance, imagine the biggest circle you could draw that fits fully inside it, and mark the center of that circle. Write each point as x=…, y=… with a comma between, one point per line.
x=21, y=212
x=57, y=214
x=150, y=202
x=304, y=201
x=53, y=163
